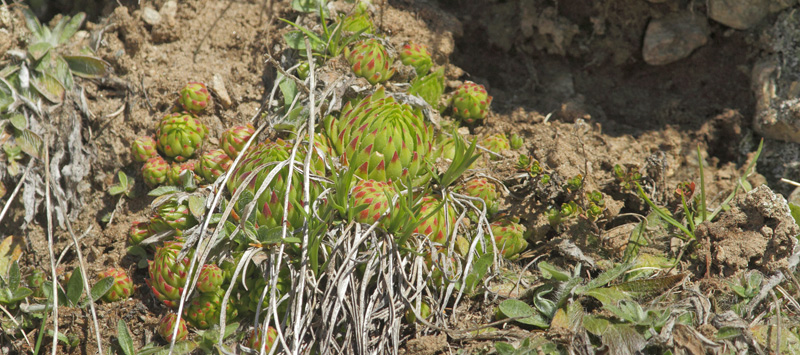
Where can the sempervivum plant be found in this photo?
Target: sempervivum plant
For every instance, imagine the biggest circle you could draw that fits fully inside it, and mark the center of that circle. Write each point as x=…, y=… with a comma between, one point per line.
x=214, y=163
x=417, y=56
x=122, y=287
x=369, y=59
x=260, y=160
x=166, y=327
x=138, y=232
x=471, y=102
x=203, y=310
x=382, y=140
x=496, y=143
x=509, y=236
x=438, y=226
x=256, y=342
x=234, y=138
x=210, y=279
x=482, y=188
x=167, y=274
x=429, y=87
x=143, y=148
x=194, y=97
x=180, y=135
x=375, y=196
x=172, y=215
x=175, y=171
x=154, y=171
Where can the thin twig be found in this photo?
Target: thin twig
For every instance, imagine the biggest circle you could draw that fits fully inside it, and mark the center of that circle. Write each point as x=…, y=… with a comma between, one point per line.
x=50, y=244
x=16, y=190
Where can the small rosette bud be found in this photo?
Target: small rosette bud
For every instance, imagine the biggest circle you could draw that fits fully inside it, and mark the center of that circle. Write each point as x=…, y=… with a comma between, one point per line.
x=154, y=171
x=214, y=163
x=369, y=59
x=509, y=236
x=143, y=148
x=429, y=87
x=471, y=103
x=375, y=196
x=138, y=232
x=417, y=56
x=210, y=279
x=195, y=97
x=180, y=135
x=257, y=342
x=234, y=138
x=177, y=169
x=172, y=216
x=167, y=274
x=166, y=328
x=438, y=226
x=203, y=311
x=122, y=287
x=496, y=143
x=483, y=189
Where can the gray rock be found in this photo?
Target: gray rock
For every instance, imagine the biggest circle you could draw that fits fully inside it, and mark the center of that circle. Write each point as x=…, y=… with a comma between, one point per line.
x=150, y=16
x=169, y=9
x=775, y=82
x=738, y=14
x=674, y=37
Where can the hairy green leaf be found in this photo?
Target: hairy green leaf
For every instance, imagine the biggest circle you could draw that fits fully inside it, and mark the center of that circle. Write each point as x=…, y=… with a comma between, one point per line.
x=87, y=66
x=124, y=339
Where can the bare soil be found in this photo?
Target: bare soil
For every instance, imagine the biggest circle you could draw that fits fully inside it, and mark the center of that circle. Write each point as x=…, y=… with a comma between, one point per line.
x=576, y=88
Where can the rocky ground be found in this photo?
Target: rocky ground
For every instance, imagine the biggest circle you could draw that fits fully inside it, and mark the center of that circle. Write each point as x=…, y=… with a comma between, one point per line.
x=661, y=87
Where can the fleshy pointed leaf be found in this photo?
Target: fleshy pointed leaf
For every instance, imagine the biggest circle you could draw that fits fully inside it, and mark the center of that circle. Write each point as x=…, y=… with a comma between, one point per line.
x=163, y=190
x=49, y=87
x=30, y=143
x=649, y=287
x=18, y=120
x=38, y=50
x=70, y=28
x=101, y=288
x=197, y=206
x=10, y=252
x=75, y=286
x=33, y=24
x=124, y=338
x=87, y=66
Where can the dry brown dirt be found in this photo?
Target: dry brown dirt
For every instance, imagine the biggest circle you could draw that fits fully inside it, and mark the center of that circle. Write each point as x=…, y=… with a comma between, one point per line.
x=582, y=101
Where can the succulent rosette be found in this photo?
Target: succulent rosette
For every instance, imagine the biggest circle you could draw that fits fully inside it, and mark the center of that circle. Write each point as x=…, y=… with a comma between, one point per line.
x=167, y=274
x=471, y=103
x=260, y=160
x=122, y=287
x=143, y=148
x=175, y=171
x=210, y=279
x=214, y=163
x=172, y=215
x=496, y=143
x=194, y=97
x=438, y=226
x=154, y=171
x=358, y=22
x=418, y=56
x=166, y=327
x=429, y=87
x=234, y=138
x=255, y=341
x=368, y=59
x=180, y=135
x=484, y=189
x=382, y=140
x=375, y=196
x=203, y=310
x=139, y=231
x=509, y=236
